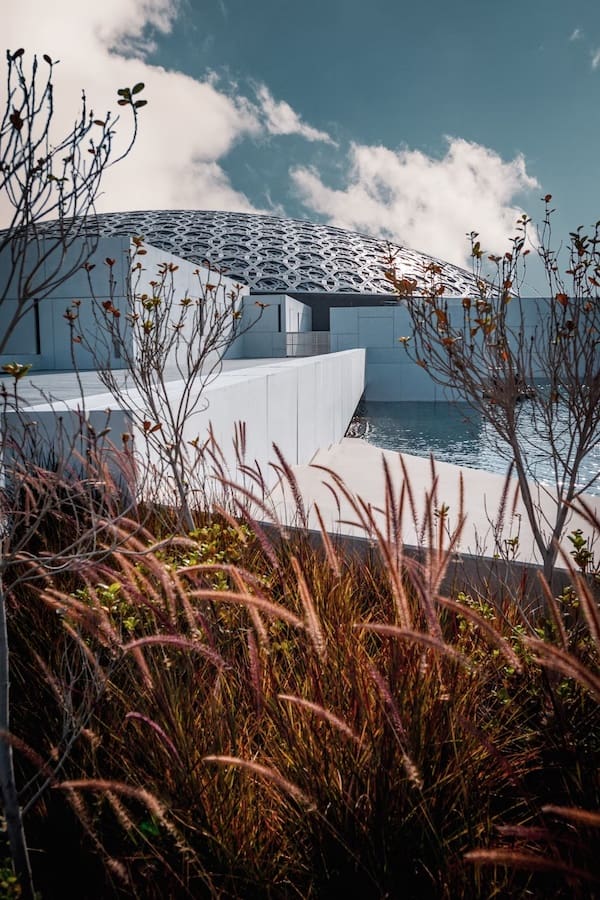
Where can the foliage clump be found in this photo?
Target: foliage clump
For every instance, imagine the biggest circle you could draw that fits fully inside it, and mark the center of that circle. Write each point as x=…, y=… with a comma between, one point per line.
x=251, y=714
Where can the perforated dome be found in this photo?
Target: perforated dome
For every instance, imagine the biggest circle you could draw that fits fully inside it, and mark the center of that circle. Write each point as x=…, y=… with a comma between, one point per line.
x=277, y=255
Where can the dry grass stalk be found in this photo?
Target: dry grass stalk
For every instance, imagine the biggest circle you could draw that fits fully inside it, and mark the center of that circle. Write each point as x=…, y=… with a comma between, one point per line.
x=323, y=714
x=269, y=774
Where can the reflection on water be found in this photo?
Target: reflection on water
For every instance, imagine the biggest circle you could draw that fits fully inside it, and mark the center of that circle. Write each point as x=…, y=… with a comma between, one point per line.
x=453, y=433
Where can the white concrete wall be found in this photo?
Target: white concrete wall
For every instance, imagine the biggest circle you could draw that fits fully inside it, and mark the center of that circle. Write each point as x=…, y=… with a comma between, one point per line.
x=298, y=316
x=93, y=288
x=266, y=329
x=54, y=334
x=189, y=281
x=300, y=405
x=263, y=328
x=391, y=374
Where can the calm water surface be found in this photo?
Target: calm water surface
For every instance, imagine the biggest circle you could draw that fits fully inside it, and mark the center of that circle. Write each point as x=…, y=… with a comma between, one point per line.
x=454, y=434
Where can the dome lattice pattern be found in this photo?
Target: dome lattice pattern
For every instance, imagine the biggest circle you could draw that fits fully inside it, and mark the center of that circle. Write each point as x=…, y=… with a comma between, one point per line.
x=276, y=255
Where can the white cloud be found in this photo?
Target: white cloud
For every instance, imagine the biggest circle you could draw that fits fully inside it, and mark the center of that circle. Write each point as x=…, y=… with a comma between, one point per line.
x=282, y=119
x=188, y=125
x=596, y=58
x=576, y=34
x=422, y=202
x=126, y=33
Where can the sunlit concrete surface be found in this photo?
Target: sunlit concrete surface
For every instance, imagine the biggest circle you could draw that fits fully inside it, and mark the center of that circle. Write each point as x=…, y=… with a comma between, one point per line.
x=360, y=468
x=298, y=404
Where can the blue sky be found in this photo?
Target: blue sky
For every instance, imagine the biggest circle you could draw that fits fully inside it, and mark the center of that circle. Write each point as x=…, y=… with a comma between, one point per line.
x=417, y=121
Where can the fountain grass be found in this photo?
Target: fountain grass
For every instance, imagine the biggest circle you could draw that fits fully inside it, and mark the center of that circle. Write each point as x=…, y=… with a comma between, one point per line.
x=241, y=712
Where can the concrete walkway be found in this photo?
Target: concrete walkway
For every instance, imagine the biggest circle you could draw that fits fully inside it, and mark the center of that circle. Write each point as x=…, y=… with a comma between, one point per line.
x=360, y=468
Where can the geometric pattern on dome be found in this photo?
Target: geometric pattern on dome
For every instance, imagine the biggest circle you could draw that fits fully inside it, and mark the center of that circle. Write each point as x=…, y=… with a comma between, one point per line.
x=274, y=254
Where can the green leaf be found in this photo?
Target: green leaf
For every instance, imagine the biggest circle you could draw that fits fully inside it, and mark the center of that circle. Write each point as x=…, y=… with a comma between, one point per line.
x=139, y=103
x=138, y=87
x=149, y=828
